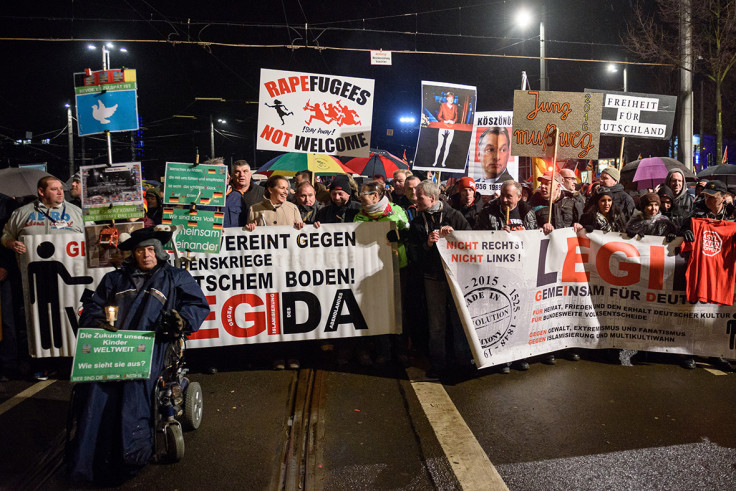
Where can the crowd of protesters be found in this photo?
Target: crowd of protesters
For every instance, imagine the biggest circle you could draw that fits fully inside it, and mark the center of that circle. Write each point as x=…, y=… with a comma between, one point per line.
x=423, y=211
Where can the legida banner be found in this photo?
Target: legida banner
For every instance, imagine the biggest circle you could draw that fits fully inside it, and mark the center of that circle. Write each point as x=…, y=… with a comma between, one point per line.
x=490, y=159
x=315, y=113
x=446, y=127
x=523, y=294
x=273, y=284
x=575, y=115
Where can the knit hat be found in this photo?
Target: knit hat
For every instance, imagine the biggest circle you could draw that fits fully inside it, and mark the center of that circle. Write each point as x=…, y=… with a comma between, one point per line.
x=466, y=182
x=649, y=198
x=613, y=172
x=341, y=183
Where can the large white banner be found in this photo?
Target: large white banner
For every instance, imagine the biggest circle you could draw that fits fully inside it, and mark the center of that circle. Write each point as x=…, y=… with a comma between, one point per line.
x=274, y=284
x=315, y=113
x=523, y=294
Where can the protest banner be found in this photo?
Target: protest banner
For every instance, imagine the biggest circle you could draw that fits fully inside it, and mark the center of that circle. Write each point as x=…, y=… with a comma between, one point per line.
x=575, y=115
x=196, y=231
x=446, y=127
x=490, y=160
x=524, y=294
x=314, y=113
x=274, y=284
x=187, y=184
x=637, y=115
x=105, y=355
x=106, y=100
x=112, y=192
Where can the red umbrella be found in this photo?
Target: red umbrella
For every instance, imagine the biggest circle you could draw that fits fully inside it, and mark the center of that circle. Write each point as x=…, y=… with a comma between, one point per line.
x=378, y=162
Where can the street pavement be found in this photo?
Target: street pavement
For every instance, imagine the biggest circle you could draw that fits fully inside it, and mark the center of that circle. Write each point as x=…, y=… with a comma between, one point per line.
x=576, y=425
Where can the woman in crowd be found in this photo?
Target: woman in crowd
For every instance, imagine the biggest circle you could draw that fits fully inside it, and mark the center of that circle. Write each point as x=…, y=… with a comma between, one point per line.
x=648, y=220
x=601, y=214
x=277, y=210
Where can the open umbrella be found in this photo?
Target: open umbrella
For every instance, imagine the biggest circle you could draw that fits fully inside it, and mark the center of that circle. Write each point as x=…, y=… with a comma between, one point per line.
x=289, y=164
x=629, y=170
x=650, y=173
x=19, y=181
x=725, y=173
x=378, y=162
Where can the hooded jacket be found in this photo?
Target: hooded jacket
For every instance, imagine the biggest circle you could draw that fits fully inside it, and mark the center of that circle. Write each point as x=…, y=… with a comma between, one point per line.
x=682, y=204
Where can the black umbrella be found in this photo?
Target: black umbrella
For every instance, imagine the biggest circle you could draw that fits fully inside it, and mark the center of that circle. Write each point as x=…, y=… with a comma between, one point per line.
x=725, y=173
x=627, y=173
x=19, y=181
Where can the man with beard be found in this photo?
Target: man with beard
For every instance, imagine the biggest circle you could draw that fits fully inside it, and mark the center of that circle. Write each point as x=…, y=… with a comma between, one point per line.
x=682, y=205
x=508, y=212
x=340, y=209
x=466, y=200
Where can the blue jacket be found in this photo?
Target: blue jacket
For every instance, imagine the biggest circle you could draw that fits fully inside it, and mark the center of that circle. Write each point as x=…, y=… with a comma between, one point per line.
x=115, y=425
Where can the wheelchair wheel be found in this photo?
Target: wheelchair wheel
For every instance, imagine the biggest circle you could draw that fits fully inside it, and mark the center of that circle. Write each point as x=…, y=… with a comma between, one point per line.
x=174, y=443
x=193, y=405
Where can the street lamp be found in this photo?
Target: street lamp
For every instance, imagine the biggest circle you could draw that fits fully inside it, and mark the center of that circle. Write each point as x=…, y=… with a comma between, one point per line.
x=612, y=68
x=106, y=49
x=524, y=19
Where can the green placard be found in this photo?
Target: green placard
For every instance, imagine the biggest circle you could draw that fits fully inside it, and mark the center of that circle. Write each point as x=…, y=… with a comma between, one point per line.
x=103, y=355
x=117, y=212
x=198, y=231
x=201, y=184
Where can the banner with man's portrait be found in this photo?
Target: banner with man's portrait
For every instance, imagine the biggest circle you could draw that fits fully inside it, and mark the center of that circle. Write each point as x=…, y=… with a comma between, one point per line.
x=446, y=127
x=490, y=161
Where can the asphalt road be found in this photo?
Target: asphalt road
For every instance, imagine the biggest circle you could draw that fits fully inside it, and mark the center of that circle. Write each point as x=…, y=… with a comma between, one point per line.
x=577, y=425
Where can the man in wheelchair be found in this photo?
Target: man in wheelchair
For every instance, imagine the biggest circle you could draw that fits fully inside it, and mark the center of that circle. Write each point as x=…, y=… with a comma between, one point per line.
x=113, y=425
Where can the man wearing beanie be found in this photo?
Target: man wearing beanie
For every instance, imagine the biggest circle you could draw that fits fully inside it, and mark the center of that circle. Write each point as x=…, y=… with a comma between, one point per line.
x=609, y=178
x=466, y=200
x=114, y=433
x=341, y=208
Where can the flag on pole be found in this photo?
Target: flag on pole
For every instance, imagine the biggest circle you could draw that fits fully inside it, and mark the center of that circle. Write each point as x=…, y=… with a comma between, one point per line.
x=404, y=157
x=725, y=156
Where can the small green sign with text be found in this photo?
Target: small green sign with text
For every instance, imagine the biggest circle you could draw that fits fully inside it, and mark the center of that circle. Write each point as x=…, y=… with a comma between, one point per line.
x=198, y=231
x=107, y=356
x=187, y=184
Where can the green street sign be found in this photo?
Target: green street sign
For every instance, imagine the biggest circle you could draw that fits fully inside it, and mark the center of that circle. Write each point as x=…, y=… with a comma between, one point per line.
x=106, y=356
x=201, y=184
x=197, y=231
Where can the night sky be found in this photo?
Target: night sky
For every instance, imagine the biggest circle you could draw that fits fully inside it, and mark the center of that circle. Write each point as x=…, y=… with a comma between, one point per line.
x=38, y=73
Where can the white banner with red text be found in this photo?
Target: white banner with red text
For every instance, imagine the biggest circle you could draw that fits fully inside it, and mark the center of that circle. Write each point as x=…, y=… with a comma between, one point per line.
x=523, y=294
x=274, y=284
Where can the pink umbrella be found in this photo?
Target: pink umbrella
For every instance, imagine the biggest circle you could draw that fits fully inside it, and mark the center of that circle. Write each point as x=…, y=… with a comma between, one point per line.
x=650, y=173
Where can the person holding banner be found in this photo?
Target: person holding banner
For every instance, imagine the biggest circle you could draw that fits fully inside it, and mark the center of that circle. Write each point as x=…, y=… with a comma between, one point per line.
x=436, y=220
x=447, y=115
x=114, y=432
x=601, y=213
x=341, y=209
x=306, y=200
x=275, y=209
x=566, y=207
x=49, y=214
x=647, y=220
x=682, y=205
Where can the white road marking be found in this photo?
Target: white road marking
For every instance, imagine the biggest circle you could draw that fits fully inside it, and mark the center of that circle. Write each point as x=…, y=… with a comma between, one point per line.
x=715, y=371
x=469, y=462
x=26, y=394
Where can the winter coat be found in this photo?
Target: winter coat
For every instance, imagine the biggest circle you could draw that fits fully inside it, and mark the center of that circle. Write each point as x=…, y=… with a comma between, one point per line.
x=622, y=200
x=682, y=204
x=428, y=258
x=114, y=420
x=493, y=217
x=566, y=211
x=658, y=225
x=469, y=212
x=338, y=214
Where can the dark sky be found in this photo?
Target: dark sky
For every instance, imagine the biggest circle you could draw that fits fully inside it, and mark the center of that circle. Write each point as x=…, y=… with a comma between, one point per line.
x=38, y=74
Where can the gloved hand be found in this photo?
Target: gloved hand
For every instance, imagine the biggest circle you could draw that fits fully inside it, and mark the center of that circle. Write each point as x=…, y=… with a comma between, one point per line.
x=688, y=236
x=392, y=236
x=172, y=321
x=670, y=237
x=104, y=325
x=589, y=228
